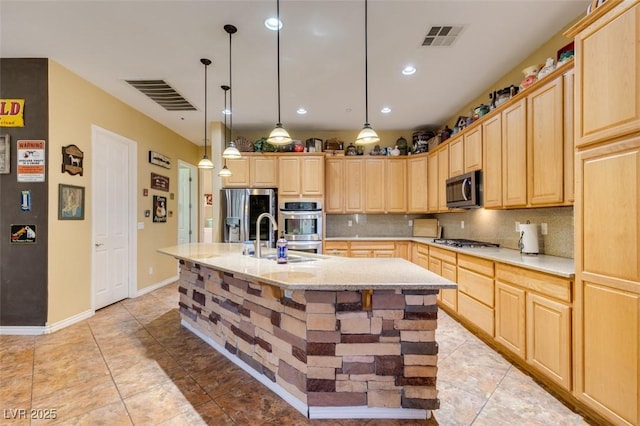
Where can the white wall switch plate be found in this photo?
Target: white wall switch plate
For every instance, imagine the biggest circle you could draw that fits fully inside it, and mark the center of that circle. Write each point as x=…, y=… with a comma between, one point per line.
x=544, y=230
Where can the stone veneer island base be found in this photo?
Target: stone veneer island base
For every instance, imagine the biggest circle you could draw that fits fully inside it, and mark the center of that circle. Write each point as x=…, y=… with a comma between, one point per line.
x=331, y=349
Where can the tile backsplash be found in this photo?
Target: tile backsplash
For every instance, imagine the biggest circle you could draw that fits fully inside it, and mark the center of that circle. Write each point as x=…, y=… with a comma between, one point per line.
x=496, y=226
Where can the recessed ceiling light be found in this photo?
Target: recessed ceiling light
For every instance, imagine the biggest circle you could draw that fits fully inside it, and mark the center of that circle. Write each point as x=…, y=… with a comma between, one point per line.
x=385, y=110
x=408, y=70
x=301, y=111
x=226, y=111
x=273, y=24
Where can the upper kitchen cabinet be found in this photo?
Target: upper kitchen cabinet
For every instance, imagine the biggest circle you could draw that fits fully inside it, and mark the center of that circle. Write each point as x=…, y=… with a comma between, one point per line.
x=417, y=179
x=396, y=186
x=374, y=185
x=465, y=152
x=334, y=183
x=438, y=173
x=301, y=175
x=607, y=46
x=545, y=147
x=252, y=171
x=514, y=155
x=492, y=159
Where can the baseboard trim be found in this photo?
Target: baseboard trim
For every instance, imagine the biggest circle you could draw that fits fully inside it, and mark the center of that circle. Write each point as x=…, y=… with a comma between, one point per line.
x=279, y=390
x=364, y=412
x=20, y=330
x=69, y=321
x=46, y=329
x=156, y=286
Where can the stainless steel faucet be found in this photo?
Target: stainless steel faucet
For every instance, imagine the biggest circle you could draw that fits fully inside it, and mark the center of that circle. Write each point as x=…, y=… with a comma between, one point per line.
x=275, y=228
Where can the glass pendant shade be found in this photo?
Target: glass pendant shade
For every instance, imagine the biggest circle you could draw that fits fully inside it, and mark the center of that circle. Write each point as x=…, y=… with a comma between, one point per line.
x=231, y=152
x=205, y=163
x=224, y=172
x=279, y=136
x=367, y=136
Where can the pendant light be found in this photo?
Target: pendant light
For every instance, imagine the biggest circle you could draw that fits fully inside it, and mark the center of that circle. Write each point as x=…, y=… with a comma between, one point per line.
x=279, y=136
x=231, y=151
x=367, y=135
x=205, y=163
x=225, y=172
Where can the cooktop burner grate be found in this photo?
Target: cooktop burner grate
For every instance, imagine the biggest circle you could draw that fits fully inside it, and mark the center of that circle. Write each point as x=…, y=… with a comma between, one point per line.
x=461, y=242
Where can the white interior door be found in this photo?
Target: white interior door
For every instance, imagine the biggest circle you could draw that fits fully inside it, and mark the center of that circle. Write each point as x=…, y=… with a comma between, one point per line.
x=111, y=206
x=186, y=202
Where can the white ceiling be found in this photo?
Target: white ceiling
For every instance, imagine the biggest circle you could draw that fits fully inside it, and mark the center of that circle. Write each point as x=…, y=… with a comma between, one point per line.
x=322, y=54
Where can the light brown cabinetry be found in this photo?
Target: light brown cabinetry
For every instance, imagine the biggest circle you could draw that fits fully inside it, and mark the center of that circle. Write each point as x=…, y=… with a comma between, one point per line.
x=301, y=176
x=492, y=159
x=533, y=320
x=438, y=173
x=372, y=249
x=607, y=328
x=354, y=186
x=432, y=182
x=444, y=263
x=472, y=150
x=476, y=291
x=374, y=185
x=252, y=171
x=395, y=187
x=420, y=255
x=514, y=155
x=336, y=248
x=607, y=208
x=417, y=178
x=608, y=85
x=456, y=156
x=545, y=147
x=335, y=184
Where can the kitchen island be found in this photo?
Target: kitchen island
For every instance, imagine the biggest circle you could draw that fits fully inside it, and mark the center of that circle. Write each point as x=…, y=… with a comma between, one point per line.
x=334, y=337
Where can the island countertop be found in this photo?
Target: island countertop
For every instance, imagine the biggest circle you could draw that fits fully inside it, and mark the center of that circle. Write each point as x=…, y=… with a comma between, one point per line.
x=325, y=273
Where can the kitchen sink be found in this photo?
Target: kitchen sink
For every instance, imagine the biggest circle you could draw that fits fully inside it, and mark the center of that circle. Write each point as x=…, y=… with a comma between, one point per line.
x=292, y=258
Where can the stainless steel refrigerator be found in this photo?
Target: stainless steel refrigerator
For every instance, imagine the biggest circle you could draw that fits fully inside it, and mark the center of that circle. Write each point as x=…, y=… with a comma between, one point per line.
x=240, y=210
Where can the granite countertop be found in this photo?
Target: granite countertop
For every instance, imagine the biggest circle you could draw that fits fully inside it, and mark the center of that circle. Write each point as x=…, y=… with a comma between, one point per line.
x=560, y=266
x=325, y=273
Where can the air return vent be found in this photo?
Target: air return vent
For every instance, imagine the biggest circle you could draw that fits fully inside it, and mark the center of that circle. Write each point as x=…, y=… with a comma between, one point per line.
x=443, y=35
x=163, y=94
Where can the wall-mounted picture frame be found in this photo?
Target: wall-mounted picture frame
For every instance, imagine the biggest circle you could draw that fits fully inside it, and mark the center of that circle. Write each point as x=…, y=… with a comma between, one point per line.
x=5, y=155
x=72, y=158
x=70, y=202
x=159, y=209
x=159, y=182
x=159, y=159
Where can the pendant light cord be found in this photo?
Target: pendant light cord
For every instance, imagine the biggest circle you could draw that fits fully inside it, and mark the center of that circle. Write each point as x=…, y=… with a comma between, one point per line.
x=278, y=50
x=366, y=68
x=230, y=95
x=206, y=66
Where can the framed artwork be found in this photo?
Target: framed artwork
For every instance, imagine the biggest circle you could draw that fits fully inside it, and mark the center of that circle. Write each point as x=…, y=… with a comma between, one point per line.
x=72, y=158
x=159, y=208
x=159, y=182
x=5, y=155
x=208, y=199
x=159, y=159
x=70, y=202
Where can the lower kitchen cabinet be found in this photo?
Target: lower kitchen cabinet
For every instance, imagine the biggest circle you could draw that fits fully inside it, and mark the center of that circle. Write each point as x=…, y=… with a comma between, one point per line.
x=336, y=248
x=533, y=320
x=420, y=255
x=476, y=291
x=444, y=263
x=549, y=338
x=510, y=318
x=372, y=249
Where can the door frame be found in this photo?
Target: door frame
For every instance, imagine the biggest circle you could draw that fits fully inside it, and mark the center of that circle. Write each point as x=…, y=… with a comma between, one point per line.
x=193, y=199
x=133, y=208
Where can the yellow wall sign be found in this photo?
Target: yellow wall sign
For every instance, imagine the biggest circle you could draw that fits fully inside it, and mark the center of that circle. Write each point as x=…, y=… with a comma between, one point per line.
x=11, y=112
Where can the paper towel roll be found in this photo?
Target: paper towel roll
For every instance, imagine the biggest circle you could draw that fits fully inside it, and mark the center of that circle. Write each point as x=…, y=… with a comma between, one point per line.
x=529, y=238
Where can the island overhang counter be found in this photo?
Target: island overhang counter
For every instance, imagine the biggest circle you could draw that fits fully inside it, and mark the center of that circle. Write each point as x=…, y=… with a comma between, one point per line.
x=335, y=337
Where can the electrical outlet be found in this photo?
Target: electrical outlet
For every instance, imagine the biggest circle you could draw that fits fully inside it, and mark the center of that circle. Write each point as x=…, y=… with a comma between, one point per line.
x=410, y=222
x=517, y=226
x=544, y=229
x=349, y=223
x=462, y=224
x=150, y=270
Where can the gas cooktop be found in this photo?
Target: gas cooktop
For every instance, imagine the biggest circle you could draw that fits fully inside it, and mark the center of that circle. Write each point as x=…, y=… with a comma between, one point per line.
x=460, y=242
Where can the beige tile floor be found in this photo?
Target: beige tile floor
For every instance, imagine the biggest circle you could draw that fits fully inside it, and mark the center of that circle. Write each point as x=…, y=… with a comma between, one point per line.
x=132, y=363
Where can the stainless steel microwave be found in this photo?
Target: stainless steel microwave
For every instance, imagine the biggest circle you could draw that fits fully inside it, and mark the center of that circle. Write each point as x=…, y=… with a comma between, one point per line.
x=465, y=191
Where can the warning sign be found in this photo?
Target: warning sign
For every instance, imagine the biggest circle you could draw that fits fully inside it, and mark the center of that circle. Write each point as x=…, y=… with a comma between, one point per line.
x=31, y=161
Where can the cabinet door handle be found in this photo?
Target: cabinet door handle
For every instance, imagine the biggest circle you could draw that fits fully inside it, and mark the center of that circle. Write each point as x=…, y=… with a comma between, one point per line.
x=99, y=244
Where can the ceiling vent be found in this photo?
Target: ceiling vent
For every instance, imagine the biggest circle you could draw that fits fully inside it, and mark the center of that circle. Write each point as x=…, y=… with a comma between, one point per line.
x=163, y=94
x=443, y=35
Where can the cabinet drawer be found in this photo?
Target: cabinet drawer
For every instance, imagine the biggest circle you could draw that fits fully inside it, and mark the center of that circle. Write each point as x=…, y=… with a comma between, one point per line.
x=481, y=266
x=422, y=249
x=373, y=245
x=336, y=245
x=476, y=312
x=446, y=255
x=539, y=282
x=475, y=285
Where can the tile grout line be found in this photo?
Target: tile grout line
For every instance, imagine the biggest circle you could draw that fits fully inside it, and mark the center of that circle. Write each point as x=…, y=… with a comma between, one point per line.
x=110, y=372
x=491, y=395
